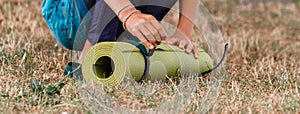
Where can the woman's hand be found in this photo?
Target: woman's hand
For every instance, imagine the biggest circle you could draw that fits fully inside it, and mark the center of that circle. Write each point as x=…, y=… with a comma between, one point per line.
x=183, y=42
x=146, y=28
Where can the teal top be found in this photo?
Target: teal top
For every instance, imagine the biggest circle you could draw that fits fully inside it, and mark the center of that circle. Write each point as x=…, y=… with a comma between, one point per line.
x=63, y=18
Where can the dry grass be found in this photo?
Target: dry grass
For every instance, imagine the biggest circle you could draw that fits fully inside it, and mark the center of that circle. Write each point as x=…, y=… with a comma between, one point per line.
x=262, y=67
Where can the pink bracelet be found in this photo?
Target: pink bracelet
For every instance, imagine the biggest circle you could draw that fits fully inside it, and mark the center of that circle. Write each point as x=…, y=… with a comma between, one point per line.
x=127, y=17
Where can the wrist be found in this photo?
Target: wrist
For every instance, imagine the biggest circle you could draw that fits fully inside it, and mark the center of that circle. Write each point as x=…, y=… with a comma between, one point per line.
x=185, y=26
x=187, y=33
x=127, y=18
x=124, y=13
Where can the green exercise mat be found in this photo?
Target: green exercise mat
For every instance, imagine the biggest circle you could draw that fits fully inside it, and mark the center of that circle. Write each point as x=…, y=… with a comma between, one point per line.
x=109, y=63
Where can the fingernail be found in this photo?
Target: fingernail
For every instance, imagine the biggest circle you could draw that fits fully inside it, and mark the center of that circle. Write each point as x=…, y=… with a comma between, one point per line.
x=151, y=47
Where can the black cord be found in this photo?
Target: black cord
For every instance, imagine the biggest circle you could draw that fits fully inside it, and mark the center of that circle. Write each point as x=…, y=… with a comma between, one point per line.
x=215, y=67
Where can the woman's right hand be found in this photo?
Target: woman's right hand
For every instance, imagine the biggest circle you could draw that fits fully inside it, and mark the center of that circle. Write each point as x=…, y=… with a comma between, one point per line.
x=146, y=28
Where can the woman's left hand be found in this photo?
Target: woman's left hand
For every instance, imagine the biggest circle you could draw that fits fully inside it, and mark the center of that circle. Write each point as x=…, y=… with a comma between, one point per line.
x=183, y=42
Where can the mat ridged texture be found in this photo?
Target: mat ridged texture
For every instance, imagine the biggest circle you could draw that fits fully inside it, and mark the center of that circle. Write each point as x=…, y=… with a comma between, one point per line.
x=125, y=60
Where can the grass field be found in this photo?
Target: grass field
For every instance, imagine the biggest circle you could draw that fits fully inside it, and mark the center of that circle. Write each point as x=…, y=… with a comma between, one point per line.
x=263, y=64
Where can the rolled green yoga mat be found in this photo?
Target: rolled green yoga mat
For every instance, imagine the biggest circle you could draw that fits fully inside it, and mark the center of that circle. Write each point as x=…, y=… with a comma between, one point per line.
x=111, y=62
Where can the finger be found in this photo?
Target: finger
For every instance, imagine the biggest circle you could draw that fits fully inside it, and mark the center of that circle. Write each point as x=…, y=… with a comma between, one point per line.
x=161, y=31
x=154, y=32
x=141, y=37
x=189, y=48
x=147, y=34
x=148, y=45
x=182, y=44
x=195, y=50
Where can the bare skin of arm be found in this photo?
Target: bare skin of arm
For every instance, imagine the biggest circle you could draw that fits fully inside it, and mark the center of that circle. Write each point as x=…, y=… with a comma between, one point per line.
x=144, y=26
x=183, y=35
x=116, y=6
x=149, y=31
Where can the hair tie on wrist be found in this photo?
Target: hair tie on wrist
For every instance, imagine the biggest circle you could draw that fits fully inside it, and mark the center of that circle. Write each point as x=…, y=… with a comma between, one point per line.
x=127, y=17
x=128, y=5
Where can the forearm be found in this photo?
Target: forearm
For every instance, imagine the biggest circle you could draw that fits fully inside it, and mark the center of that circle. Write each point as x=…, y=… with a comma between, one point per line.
x=120, y=7
x=102, y=15
x=187, y=19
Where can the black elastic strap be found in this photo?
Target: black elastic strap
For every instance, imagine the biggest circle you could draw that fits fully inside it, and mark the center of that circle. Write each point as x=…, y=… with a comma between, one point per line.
x=147, y=65
x=146, y=54
x=215, y=67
